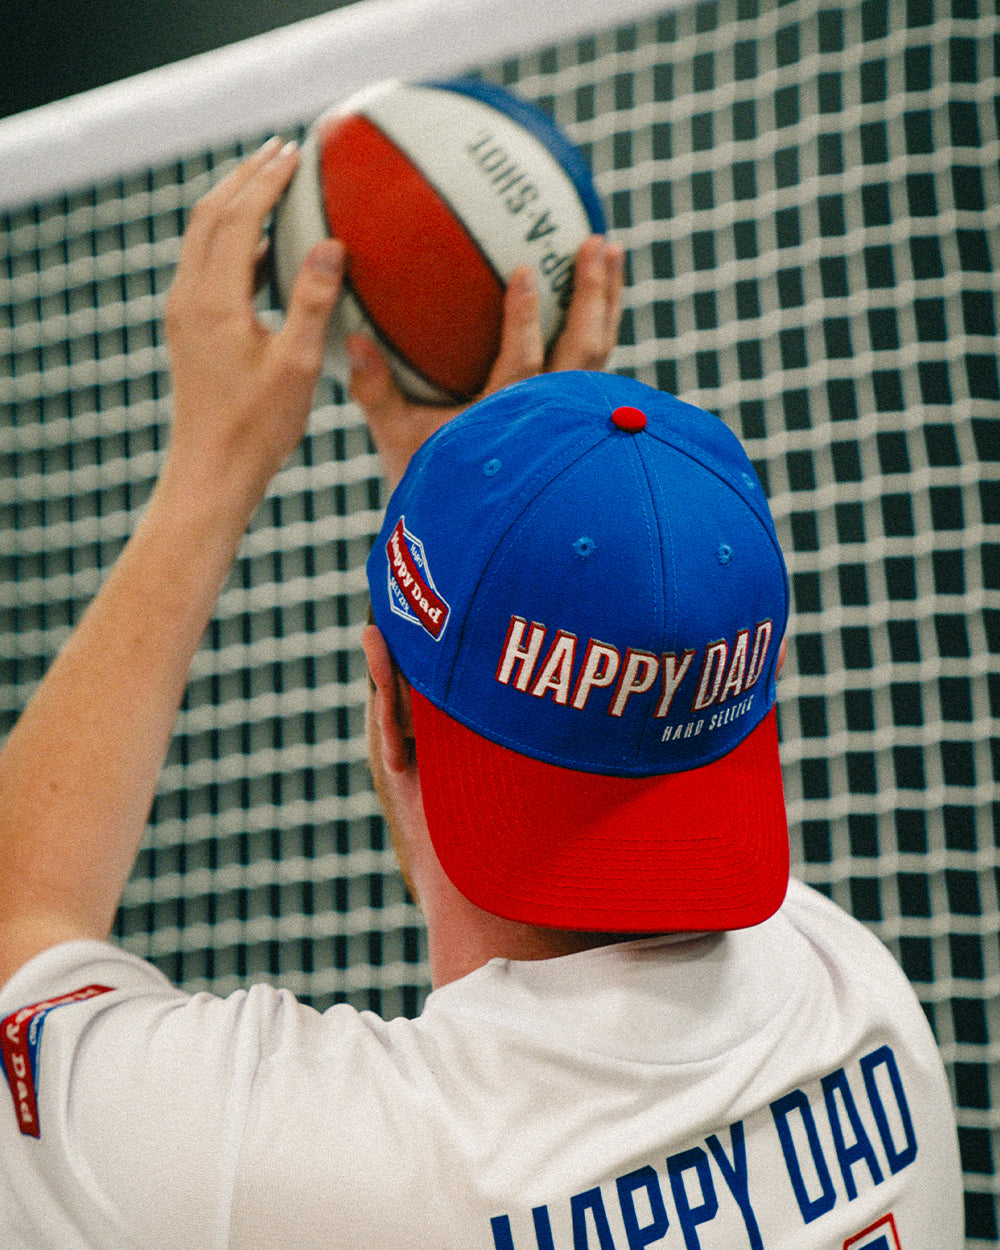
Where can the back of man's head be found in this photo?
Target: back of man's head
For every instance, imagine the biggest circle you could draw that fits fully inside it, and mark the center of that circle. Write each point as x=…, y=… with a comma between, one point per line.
x=579, y=577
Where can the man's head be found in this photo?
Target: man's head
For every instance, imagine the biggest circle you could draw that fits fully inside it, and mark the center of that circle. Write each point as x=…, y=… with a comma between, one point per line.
x=580, y=580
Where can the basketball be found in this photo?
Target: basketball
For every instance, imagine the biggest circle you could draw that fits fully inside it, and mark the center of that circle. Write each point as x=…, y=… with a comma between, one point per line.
x=439, y=191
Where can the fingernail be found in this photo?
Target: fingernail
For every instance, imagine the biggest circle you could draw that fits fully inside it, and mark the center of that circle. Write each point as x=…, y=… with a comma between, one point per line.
x=290, y=147
x=325, y=266
x=268, y=145
x=328, y=260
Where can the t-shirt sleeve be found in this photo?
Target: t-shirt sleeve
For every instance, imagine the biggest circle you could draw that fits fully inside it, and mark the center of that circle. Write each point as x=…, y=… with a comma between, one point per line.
x=125, y=1103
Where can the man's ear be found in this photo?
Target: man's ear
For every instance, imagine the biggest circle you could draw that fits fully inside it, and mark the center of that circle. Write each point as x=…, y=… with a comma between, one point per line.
x=391, y=704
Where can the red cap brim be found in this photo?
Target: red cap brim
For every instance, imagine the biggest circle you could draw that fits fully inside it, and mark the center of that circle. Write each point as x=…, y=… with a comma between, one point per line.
x=705, y=849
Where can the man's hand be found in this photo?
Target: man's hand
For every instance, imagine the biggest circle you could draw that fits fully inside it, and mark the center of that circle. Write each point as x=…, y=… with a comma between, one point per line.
x=399, y=426
x=79, y=770
x=242, y=393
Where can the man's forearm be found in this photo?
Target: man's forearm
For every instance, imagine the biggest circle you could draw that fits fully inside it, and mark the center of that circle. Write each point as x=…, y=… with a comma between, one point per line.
x=79, y=771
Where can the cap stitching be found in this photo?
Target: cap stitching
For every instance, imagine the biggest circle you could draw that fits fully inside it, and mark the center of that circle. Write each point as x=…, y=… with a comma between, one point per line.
x=491, y=565
x=654, y=533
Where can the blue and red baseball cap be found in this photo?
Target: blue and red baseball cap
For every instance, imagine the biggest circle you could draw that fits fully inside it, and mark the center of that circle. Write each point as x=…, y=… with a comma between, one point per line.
x=580, y=579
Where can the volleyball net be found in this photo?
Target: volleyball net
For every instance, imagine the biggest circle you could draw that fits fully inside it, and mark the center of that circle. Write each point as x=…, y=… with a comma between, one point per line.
x=809, y=194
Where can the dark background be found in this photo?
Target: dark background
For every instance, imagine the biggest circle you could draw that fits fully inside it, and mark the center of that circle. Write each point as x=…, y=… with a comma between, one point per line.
x=51, y=49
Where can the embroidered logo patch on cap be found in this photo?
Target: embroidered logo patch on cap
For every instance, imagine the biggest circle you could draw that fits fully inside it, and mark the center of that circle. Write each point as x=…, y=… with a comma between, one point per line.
x=412, y=593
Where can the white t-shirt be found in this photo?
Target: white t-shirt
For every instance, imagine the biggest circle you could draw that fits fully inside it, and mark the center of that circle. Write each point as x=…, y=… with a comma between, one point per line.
x=771, y=1088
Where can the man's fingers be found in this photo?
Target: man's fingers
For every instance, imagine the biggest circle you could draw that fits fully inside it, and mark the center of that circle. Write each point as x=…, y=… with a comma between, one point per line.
x=204, y=215
x=614, y=287
x=302, y=340
x=522, y=350
x=591, y=330
x=263, y=265
x=398, y=426
x=371, y=384
x=240, y=220
x=226, y=226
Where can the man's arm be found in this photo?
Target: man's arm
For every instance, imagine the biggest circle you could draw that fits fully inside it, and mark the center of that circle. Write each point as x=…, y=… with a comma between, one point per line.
x=79, y=770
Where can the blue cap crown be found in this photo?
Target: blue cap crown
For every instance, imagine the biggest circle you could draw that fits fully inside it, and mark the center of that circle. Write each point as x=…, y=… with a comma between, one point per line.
x=582, y=586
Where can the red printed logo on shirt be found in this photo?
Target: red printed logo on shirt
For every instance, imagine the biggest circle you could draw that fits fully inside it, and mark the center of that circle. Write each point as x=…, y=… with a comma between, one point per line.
x=879, y=1236
x=20, y=1039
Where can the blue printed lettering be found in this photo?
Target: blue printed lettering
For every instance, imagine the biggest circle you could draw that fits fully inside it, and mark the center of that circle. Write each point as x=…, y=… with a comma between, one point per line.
x=861, y=1149
x=884, y=1058
x=643, y=1208
x=690, y=1216
x=782, y=1109
x=590, y=1201
x=503, y=1238
x=852, y=1143
x=640, y=1235
x=839, y=1119
x=736, y=1176
x=543, y=1228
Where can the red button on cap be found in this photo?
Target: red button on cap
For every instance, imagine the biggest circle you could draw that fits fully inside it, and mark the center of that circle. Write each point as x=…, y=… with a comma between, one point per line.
x=630, y=419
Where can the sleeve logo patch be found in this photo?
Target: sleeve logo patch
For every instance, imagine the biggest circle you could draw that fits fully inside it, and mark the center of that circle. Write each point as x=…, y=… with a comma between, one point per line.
x=412, y=593
x=20, y=1042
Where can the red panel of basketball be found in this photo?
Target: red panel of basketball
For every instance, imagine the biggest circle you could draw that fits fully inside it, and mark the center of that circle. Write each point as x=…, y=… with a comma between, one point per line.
x=420, y=277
